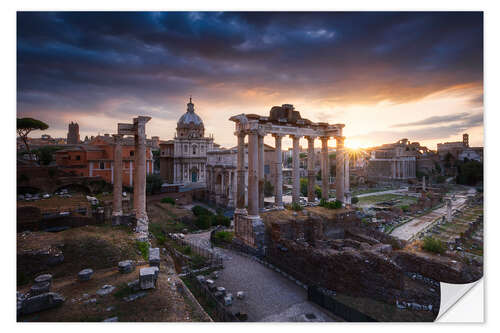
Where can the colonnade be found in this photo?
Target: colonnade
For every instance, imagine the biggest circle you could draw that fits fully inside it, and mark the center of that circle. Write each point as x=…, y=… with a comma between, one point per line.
x=256, y=170
x=403, y=168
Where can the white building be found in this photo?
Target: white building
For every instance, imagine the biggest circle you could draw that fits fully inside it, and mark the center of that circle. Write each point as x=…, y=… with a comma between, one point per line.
x=183, y=160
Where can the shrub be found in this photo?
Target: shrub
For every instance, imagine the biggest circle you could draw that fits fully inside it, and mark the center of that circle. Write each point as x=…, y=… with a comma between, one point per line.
x=168, y=200
x=354, y=200
x=296, y=206
x=200, y=211
x=153, y=184
x=223, y=237
x=405, y=208
x=433, y=245
x=220, y=219
x=187, y=250
x=203, y=221
x=143, y=247
x=330, y=204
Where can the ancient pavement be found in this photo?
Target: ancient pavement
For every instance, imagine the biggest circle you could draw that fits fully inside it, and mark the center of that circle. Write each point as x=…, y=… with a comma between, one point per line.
x=408, y=230
x=269, y=295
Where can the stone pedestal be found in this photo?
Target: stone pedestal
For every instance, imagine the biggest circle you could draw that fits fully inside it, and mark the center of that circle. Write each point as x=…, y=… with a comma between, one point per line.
x=250, y=231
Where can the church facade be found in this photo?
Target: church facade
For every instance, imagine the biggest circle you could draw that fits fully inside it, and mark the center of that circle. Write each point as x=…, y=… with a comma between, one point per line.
x=183, y=160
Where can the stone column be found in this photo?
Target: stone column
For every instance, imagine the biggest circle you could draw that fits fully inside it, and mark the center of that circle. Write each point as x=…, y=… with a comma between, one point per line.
x=423, y=183
x=240, y=183
x=325, y=187
x=295, y=169
x=448, y=210
x=339, y=179
x=253, y=176
x=140, y=172
x=346, y=178
x=117, y=176
x=311, y=177
x=260, y=142
x=278, y=187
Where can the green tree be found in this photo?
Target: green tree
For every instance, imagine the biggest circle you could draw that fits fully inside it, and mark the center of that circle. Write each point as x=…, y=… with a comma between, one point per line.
x=303, y=186
x=470, y=172
x=268, y=188
x=153, y=184
x=26, y=125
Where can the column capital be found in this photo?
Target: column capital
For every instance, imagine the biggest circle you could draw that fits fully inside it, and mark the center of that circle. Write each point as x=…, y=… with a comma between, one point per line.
x=294, y=136
x=117, y=138
x=242, y=133
x=340, y=138
x=310, y=138
x=278, y=135
x=324, y=138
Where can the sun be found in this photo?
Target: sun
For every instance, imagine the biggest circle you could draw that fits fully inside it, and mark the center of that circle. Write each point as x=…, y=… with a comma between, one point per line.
x=352, y=144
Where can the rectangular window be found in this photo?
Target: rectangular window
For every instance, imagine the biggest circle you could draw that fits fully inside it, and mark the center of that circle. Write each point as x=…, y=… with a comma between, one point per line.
x=77, y=157
x=131, y=153
x=266, y=169
x=101, y=165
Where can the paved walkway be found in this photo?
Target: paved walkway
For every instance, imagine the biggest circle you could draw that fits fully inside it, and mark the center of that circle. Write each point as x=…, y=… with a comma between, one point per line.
x=408, y=230
x=399, y=191
x=269, y=295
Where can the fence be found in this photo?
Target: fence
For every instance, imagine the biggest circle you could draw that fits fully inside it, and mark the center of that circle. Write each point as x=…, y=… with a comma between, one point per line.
x=317, y=295
x=214, y=260
x=210, y=303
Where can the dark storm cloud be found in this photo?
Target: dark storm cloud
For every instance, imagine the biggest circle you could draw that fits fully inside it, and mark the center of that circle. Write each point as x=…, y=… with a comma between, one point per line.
x=79, y=62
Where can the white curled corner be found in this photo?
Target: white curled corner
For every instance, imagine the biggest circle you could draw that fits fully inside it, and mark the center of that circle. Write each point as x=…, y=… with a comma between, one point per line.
x=451, y=295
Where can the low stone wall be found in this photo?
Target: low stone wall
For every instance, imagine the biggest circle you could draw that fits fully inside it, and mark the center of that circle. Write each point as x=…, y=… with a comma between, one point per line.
x=439, y=269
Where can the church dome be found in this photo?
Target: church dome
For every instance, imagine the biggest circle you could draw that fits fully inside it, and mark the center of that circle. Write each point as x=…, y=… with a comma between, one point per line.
x=190, y=124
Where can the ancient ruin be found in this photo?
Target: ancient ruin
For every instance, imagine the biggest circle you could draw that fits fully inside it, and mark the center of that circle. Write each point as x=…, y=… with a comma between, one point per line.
x=138, y=130
x=282, y=120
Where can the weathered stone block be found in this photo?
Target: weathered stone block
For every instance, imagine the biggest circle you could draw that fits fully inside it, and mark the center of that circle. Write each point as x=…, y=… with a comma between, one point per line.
x=228, y=300
x=126, y=266
x=240, y=295
x=40, y=288
x=154, y=256
x=105, y=290
x=221, y=290
x=134, y=285
x=85, y=274
x=210, y=284
x=200, y=278
x=147, y=278
x=44, y=278
x=111, y=320
x=41, y=302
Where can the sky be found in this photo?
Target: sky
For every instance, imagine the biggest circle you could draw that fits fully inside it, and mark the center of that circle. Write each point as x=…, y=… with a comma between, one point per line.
x=385, y=75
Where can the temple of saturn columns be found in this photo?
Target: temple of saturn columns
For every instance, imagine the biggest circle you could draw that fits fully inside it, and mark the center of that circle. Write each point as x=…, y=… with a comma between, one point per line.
x=282, y=120
x=138, y=130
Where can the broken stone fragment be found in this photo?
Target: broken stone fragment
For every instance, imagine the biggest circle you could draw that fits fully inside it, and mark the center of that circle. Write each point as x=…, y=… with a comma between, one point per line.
x=215, y=275
x=228, y=300
x=111, y=320
x=105, y=290
x=240, y=295
x=126, y=266
x=41, y=302
x=85, y=274
x=200, y=278
x=43, y=278
x=154, y=256
x=147, y=277
x=40, y=288
x=221, y=290
x=134, y=285
x=210, y=284
x=133, y=297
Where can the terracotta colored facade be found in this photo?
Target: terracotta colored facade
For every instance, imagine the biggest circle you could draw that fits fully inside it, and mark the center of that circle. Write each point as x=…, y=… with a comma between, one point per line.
x=96, y=159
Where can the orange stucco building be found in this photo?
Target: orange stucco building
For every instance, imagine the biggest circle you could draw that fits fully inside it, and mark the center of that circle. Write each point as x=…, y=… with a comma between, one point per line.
x=96, y=159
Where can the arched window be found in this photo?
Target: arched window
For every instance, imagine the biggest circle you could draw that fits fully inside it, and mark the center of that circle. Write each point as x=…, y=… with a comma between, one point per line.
x=194, y=149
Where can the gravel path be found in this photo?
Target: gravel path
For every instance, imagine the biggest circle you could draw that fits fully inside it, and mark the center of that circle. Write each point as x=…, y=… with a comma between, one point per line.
x=408, y=230
x=269, y=295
